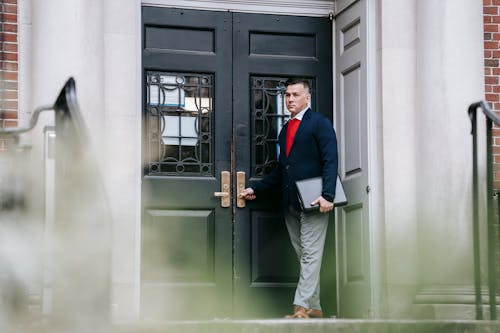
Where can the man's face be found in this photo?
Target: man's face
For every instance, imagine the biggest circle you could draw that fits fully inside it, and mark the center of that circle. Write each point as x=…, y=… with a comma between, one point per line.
x=297, y=98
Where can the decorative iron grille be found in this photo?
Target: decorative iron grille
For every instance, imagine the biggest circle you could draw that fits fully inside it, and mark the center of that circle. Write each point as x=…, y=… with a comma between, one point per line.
x=269, y=114
x=179, y=124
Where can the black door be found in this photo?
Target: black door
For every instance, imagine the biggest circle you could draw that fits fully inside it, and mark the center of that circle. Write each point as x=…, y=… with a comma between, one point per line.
x=186, y=262
x=213, y=105
x=267, y=50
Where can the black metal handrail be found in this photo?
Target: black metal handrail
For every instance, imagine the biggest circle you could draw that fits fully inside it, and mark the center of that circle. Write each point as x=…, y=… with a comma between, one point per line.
x=491, y=118
x=82, y=218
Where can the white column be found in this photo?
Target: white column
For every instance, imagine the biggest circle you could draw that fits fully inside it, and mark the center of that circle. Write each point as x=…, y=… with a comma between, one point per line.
x=397, y=56
x=449, y=77
x=68, y=41
x=122, y=86
x=98, y=43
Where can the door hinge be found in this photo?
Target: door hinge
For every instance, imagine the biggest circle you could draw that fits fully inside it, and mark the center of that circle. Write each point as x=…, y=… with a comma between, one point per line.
x=330, y=16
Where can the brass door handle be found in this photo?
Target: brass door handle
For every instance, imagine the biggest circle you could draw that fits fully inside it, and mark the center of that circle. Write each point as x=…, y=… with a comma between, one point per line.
x=240, y=184
x=225, y=188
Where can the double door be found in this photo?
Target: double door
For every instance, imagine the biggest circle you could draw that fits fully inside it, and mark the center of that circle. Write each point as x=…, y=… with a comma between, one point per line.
x=213, y=107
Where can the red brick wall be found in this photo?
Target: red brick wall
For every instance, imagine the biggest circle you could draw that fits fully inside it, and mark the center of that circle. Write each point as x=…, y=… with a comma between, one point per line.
x=8, y=64
x=491, y=21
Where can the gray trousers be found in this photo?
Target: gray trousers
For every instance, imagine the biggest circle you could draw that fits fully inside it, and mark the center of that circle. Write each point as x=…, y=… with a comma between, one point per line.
x=307, y=233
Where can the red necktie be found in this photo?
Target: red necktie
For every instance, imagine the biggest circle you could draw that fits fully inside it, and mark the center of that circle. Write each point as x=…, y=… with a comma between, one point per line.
x=293, y=125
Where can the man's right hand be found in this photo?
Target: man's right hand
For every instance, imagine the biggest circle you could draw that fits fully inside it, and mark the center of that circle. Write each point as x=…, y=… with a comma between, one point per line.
x=247, y=194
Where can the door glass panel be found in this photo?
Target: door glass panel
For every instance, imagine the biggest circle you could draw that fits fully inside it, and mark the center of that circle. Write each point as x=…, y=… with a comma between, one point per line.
x=269, y=114
x=179, y=124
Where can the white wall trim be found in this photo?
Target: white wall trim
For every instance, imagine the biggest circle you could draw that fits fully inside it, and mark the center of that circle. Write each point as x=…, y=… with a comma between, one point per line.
x=138, y=170
x=290, y=7
x=375, y=169
x=341, y=5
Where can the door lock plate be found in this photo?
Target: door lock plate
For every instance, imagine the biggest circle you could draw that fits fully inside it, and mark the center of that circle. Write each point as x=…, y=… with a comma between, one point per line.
x=225, y=188
x=240, y=184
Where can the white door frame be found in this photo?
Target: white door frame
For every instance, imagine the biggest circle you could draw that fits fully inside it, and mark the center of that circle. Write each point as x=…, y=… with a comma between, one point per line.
x=314, y=8
x=283, y=7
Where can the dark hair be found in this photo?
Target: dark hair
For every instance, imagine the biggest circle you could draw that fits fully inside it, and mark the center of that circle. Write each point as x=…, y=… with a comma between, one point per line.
x=298, y=80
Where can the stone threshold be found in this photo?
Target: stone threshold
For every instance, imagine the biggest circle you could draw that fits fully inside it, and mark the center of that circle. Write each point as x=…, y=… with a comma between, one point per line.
x=313, y=326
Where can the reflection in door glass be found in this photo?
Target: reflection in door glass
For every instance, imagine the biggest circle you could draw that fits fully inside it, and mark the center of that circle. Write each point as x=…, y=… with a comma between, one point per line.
x=269, y=114
x=179, y=124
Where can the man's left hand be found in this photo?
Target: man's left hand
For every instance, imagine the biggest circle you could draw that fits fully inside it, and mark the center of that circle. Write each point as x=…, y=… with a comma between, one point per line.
x=324, y=205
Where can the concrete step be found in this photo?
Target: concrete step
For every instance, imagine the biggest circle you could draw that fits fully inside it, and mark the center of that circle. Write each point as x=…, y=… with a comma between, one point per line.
x=271, y=326
x=313, y=326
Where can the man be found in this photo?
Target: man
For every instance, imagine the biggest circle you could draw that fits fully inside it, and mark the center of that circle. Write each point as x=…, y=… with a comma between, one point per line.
x=308, y=148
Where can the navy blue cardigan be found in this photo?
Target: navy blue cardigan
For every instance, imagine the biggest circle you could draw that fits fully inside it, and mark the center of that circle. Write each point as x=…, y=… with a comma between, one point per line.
x=313, y=154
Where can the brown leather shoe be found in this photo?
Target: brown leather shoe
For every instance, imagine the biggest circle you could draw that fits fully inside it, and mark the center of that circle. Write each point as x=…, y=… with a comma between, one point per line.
x=315, y=313
x=301, y=313
x=298, y=312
